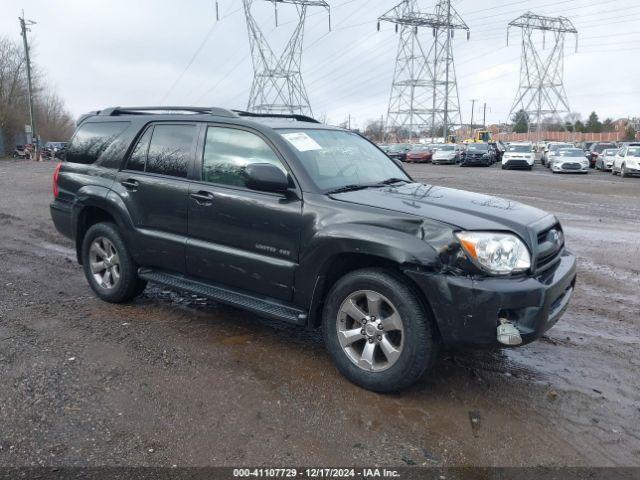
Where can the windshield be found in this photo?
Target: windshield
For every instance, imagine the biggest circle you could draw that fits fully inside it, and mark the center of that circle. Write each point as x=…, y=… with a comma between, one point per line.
x=482, y=147
x=335, y=159
x=555, y=148
x=601, y=148
x=611, y=152
x=445, y=148
x=634, y=152
x=571, y=152
x=398, y=147
x=519, y=148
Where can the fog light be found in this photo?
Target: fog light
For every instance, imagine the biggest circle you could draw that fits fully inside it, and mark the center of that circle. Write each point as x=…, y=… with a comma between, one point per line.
x=508, y=334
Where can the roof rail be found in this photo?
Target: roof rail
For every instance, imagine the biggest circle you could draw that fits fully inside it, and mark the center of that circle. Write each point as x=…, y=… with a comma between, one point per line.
x=299, y=118
x=115, y=111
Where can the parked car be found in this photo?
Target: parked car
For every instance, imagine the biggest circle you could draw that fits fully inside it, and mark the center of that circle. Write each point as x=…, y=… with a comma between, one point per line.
x=419, y=154
x=585, y=146
x=309, y=224
x=499, y=148
x=605, y=160
x=518, y=155
x=596, y=150
x=399, y=151
x=476, y=154
x=626, y=162
x=446, y=154
x=569, y=160
x=53, y=149
x=552, y=150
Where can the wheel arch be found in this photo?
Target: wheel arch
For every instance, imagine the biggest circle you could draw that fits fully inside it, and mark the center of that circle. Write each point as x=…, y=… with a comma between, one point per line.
x=95, y=205
x=344, y=263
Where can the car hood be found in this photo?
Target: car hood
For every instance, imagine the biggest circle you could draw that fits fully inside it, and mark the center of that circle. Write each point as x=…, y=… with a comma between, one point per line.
x=458, y=208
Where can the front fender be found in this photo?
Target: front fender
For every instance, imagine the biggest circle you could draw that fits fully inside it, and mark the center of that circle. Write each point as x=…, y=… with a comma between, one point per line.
x=398, y=247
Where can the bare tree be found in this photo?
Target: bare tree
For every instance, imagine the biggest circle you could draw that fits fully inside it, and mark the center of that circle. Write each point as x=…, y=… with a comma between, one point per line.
x=52, y=118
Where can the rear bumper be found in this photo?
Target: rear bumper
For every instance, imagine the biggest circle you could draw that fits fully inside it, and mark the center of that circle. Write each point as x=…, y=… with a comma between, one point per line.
x=61, y=214
x=467, y=309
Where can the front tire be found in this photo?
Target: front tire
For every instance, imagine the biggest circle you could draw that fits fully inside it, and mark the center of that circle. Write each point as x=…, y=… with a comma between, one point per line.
x=377, y=332
x=623, y=171
x=108, y=266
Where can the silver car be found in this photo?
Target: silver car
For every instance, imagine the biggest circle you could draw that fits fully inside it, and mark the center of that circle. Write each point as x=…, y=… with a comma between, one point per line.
x=605, y=159
x=569, y=160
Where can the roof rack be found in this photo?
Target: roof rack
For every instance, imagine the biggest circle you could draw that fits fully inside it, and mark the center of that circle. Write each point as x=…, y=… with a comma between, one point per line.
x=299, y=118
x=115, y=111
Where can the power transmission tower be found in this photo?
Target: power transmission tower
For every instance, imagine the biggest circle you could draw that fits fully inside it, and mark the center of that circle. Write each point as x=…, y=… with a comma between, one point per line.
x=541, y=93
x=424, y=93
x=277, y=83
x=24, y=28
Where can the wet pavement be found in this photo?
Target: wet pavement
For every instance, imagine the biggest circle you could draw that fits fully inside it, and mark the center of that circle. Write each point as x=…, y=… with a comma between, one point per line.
x=177, y=380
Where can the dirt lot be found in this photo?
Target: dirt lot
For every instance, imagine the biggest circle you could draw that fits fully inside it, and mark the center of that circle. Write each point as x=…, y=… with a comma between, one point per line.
x=173, y=380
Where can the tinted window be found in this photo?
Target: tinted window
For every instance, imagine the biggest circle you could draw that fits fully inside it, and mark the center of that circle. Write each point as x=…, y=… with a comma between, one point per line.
x=519, y=148
x=170, y=151
x=227, y=153
x=138, y=157
x=92, y=139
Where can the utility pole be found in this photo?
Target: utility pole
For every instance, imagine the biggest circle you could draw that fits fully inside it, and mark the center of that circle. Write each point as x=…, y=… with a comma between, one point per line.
x=541, y=93
x=473, y=108
x=24, y=28
x=484, y=116
x=277, y=81
x=424, y=92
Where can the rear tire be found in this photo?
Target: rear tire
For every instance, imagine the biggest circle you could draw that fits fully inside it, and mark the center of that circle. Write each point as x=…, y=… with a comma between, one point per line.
x=108, y=266
x=397, y=343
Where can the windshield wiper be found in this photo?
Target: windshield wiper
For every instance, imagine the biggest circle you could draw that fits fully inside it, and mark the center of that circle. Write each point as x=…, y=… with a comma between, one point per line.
x=391, y=181
x=348, y=188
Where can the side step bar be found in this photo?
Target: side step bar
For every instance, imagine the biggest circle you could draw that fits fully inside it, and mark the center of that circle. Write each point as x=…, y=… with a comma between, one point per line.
x=263, y=306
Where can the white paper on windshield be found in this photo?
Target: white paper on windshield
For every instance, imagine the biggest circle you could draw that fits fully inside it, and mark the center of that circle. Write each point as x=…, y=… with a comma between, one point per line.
x=302, y=141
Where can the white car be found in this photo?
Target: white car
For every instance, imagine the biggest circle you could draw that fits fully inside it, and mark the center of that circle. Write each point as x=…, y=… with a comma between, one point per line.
x=605, y=160
x=569, y=160
x=553, y=150
x=445, y=154
x=518, y=155
x=627, y=162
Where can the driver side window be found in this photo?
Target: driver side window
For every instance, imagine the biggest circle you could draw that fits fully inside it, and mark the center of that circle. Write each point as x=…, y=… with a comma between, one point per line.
x=228, y=152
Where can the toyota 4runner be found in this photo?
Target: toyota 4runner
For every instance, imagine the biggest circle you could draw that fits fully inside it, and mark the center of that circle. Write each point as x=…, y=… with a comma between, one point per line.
x=309, y=224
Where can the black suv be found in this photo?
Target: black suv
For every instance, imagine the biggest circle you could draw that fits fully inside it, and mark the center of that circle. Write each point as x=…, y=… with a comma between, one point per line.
x=309, y=224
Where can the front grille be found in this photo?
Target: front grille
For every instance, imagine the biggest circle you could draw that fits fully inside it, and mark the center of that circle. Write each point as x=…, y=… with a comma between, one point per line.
x=517, y=163
x=571, y=166
x=550, y=246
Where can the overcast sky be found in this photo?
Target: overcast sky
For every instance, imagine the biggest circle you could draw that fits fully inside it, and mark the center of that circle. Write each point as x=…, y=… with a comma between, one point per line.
x=99, y=53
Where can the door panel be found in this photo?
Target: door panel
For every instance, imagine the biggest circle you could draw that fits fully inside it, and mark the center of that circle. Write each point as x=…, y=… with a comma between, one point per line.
x=155, y=189
x=239, y=237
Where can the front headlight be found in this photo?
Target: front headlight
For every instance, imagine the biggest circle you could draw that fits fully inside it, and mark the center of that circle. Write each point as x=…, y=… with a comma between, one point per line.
x=585, y=163
x=496, y=253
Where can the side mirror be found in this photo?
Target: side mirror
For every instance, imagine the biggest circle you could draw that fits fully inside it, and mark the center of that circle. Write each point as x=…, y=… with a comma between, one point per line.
x=266, y=177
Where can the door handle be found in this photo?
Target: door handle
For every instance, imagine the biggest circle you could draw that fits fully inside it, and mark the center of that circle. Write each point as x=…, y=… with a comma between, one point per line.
x=130, y=184
x=203, y=198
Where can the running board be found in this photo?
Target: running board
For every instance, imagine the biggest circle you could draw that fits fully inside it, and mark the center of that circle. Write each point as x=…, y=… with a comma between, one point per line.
x=260, y=305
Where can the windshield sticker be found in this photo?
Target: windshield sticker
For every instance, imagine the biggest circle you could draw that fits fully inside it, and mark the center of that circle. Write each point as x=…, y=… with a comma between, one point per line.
x=302, y=141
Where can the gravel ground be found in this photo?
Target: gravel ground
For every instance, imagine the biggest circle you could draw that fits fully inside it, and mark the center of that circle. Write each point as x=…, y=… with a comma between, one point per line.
x=176, y=380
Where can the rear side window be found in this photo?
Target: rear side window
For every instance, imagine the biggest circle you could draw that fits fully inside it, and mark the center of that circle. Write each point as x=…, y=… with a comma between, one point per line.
x=165, y=150
x=171, y=150
x=91, y=140
x=138, y=158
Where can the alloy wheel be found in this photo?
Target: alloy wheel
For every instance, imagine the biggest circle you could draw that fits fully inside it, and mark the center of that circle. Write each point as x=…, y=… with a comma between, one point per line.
x=370, y=331
x=104, y=263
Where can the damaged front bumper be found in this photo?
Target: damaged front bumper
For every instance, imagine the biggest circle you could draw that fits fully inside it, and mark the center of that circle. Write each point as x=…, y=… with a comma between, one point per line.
x=468, y=310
